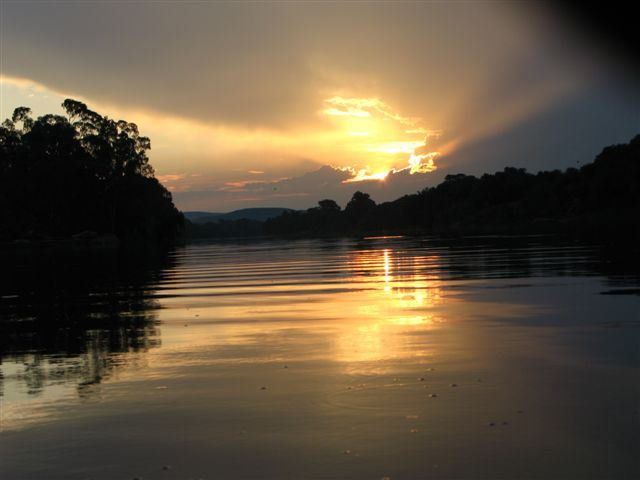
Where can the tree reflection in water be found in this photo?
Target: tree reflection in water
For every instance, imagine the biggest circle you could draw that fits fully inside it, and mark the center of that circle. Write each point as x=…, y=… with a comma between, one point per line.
x=74, y=317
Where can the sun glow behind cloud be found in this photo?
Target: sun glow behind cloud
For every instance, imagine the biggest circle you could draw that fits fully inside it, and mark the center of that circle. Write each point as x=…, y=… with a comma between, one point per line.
x=218, y=166
x=363, y=137
x=363, y=134
x=393, y=142
x=364, y=175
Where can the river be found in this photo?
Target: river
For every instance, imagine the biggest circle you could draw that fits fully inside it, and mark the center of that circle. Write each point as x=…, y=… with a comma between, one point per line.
x=374, y=358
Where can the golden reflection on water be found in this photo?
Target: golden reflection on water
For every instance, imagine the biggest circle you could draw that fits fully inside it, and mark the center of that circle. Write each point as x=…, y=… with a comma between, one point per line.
x=369, y=314
x=401, y=302
x=334, y=359
x=364, y=310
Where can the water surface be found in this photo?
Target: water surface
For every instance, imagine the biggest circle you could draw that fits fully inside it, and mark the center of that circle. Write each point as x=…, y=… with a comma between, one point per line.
x=344, y=359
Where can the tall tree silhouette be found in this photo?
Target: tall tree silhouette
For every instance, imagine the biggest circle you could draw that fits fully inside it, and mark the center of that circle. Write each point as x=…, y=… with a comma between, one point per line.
x=61, y=175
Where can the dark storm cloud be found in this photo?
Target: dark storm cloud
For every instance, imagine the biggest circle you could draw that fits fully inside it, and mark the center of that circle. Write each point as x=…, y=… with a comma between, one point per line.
x=269, y=64
x=226, y=63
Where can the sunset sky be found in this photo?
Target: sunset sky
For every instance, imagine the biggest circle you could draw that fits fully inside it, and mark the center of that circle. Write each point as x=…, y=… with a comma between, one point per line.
x=284, y=104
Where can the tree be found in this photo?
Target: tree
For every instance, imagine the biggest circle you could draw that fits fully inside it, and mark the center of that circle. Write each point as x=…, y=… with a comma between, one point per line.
x=64, y=175
x=328, y=206
x=359, y=205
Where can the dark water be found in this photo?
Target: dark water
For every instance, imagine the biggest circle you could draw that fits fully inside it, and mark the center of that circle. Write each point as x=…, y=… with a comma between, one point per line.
x=380, y=358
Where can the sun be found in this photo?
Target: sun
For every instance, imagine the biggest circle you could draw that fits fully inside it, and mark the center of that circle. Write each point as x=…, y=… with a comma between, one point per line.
x=390, y=142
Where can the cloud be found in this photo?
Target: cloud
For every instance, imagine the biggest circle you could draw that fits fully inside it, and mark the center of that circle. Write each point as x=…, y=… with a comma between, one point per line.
x=177, y=182
x=270, y=65
x=388, y=138
x=366, y=107
x=303, y=191
x=215, y=149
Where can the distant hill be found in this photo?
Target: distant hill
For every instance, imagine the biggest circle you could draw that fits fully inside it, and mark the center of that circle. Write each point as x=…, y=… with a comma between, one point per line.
x=259, y=214
x=202, y=217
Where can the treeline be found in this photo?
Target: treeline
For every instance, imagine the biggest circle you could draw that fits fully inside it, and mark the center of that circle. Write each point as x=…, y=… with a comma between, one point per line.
x=601, y=198
x=80, y=174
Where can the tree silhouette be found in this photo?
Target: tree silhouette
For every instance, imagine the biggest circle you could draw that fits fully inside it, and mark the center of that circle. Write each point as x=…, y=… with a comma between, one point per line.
x=60, y=176
x=328, y=206
x=602, y=199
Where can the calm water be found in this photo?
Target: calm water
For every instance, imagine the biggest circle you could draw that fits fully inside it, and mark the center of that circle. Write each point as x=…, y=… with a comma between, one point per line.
x=380, y=358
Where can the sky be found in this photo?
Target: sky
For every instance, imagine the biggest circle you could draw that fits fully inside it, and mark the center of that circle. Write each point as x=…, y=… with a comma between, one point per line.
x=282, y=104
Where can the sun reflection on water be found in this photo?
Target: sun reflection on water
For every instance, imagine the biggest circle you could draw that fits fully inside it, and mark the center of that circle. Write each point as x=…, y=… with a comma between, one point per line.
x=363, y=309
x=376, y=305
x=335, y=313
x=402, y=303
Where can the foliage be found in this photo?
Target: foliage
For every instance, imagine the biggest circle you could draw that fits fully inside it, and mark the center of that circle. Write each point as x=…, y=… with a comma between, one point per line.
x=62, y=175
